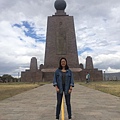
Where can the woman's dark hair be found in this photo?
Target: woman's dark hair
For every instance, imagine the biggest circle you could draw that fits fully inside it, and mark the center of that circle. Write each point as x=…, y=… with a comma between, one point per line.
x=60, y=66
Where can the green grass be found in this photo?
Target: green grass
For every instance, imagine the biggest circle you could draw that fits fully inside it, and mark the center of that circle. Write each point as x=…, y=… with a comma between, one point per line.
x=111, y=87
x=10, y=89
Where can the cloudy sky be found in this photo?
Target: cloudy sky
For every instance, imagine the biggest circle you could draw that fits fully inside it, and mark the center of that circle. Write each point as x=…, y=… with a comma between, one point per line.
x=23, y=32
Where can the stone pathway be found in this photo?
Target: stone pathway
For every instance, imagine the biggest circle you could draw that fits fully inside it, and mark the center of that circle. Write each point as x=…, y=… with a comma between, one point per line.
x=40, y=104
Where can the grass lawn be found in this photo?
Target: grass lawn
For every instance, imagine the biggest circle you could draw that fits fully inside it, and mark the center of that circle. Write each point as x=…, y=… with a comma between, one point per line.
x=10, y=89
x=111, y=87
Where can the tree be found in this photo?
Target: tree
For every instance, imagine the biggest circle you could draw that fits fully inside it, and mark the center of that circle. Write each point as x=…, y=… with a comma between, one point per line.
x=7, y=78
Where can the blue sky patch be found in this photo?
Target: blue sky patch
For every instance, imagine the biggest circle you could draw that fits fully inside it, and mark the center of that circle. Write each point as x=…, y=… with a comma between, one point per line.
x=87, y=49
x=30, y=31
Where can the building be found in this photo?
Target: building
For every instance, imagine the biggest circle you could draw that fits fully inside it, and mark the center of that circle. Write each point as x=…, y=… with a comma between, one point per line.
x=60, y=42
x=95, y=74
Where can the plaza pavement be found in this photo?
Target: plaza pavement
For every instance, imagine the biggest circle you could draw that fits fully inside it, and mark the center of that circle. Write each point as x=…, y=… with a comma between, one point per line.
x=40, y=104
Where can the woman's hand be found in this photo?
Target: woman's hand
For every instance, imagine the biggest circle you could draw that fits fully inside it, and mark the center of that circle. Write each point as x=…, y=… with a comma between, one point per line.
x=57, y=89
x=70, y=90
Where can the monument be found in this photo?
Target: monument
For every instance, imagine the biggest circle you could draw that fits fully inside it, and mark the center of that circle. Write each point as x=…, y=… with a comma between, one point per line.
x=33, y=74
x=95, y=74
x=60, y=42
x=89, y=63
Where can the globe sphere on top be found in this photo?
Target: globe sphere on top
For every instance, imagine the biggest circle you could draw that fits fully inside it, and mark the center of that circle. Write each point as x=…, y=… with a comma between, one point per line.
x=60, y=5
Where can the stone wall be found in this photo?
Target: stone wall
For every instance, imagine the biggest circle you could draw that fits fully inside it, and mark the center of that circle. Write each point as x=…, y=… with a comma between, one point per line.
x=95, y=74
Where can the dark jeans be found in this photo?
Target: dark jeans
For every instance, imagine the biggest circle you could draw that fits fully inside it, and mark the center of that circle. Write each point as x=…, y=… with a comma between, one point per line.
x=59, y=101
x=87, y=80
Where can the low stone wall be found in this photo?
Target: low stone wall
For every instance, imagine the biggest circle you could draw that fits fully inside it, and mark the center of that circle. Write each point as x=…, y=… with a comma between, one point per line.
x=39, y=76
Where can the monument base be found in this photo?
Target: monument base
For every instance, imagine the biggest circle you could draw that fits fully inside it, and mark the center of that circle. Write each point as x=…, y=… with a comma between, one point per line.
x=48, y=74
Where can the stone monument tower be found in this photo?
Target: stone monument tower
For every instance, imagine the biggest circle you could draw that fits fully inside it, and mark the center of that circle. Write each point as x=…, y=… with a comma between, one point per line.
x=60, y=40
x=96, y=75
x=33, y=74
x=33, y=64
x=89, y=62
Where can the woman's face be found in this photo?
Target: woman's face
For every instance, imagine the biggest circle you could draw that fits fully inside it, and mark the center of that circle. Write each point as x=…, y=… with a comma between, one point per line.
x=63, y=62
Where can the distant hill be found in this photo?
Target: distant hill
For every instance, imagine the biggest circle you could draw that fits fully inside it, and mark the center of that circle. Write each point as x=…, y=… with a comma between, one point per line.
x=112, y=76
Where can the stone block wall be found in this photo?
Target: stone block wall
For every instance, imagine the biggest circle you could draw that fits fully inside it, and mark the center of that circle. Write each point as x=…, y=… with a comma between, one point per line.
x=95, y=75
x=29, y=76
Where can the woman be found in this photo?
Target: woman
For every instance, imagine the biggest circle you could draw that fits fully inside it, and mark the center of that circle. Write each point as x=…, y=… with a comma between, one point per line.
x=63, y=82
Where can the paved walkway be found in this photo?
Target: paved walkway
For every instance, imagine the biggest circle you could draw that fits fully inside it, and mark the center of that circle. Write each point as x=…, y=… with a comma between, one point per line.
x=40, y=104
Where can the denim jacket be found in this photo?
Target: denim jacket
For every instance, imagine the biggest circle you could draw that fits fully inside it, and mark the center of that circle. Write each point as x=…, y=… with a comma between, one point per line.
x=57, y=80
